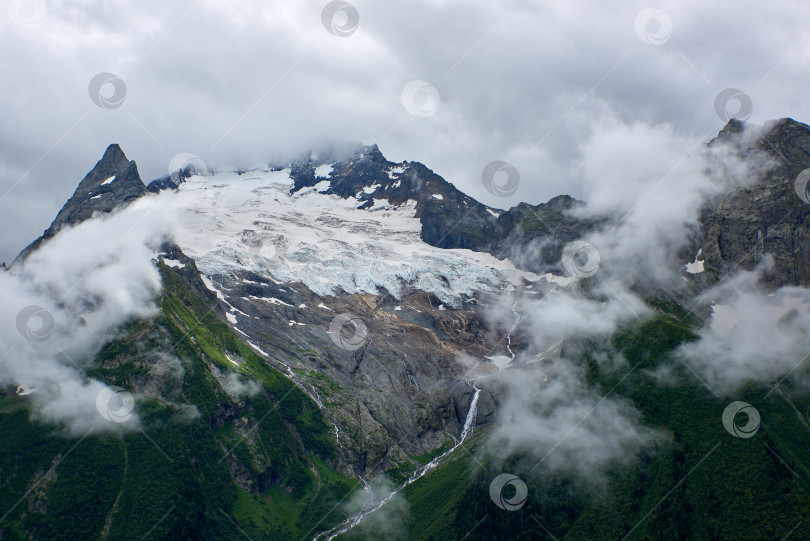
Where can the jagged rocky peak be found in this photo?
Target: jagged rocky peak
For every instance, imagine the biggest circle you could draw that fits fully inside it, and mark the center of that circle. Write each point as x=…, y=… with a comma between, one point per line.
x=780, y=146
x=365, y=164
x=449, y=218
x=112, y=183
x=779, y=136
x=367, y=176
x=734, y=127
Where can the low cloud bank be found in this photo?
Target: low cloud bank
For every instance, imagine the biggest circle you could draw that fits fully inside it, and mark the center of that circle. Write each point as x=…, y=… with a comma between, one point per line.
x=65, y=302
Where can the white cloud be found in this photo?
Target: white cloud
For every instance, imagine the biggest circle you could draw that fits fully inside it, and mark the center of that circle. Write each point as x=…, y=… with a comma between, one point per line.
x=752, y=336
x=236, y=387
x=88, y=280
x=389, y=521
x=565, y=426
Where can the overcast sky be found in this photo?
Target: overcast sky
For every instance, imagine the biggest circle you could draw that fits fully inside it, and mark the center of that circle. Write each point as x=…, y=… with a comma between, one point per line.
x=238, y=83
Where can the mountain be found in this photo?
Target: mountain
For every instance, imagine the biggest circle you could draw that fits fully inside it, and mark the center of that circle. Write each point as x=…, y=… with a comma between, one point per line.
x=286, y=265
x=113, y=182
x=765, y=217
x=234, y=309
x=328, y=321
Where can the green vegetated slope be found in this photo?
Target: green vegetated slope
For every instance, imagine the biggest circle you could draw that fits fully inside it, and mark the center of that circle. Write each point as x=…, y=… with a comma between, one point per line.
x=703, y=483
x=206, y=465
x=261, y=466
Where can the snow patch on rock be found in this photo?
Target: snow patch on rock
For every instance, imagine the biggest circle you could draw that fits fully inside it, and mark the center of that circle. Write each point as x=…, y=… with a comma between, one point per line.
x=696, y=266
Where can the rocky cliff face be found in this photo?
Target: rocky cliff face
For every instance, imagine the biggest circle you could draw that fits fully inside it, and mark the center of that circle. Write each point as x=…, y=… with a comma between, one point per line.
x=114, y=182
x=399, y=393
x=766, y=216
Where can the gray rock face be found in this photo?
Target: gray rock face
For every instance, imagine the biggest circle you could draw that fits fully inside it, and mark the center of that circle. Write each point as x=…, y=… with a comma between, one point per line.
x=535, y=235
x=400, y=392
x=113, y=183
x=767, y=216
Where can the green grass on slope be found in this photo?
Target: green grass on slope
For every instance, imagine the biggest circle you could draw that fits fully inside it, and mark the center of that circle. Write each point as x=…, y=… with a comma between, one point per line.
x=277, y=513
x=172, y=480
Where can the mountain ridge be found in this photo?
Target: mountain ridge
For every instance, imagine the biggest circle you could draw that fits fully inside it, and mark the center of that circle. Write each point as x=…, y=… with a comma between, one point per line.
x=239, y=308
x=451, y=219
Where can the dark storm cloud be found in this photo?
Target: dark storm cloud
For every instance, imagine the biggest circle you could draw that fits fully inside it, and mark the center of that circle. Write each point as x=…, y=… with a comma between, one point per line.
x=523, y=82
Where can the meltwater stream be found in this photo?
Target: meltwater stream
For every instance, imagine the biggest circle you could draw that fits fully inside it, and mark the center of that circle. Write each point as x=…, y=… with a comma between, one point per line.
x=509, y=335
x=357, y=518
